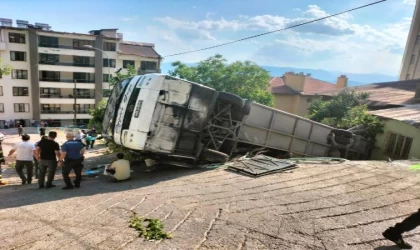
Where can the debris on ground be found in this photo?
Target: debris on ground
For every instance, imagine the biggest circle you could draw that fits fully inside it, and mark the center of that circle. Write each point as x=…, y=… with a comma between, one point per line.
x=261, y=165
x=318, y=159
x=152, y=231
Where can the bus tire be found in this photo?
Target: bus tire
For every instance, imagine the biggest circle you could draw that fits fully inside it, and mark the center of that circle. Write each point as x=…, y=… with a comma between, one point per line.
x=215, y=156
x=235, y=100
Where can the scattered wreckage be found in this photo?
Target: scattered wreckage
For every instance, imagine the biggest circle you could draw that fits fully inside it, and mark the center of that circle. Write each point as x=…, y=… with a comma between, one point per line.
x=178, y=122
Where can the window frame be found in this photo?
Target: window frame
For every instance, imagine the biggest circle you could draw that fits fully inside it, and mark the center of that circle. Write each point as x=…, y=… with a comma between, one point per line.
x=128, y=62
x=392, y=147
x=1, y=90
x=19, y=91
x=48, y=42
x=1, y=107
x=18, y=38
x=145, y=64
x=19, y=72
x=111, y=61
x=25, y=105
x=13, y=56
x=109, y=46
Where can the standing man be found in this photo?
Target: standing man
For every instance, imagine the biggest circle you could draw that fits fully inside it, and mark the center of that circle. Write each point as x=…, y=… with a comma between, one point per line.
x=25, y=152
x=394, y=233
x=72, y=152
x=47, y=152
x=20, y=130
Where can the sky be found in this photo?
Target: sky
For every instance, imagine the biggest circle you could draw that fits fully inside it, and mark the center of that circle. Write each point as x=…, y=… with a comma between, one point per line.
x=369, y=40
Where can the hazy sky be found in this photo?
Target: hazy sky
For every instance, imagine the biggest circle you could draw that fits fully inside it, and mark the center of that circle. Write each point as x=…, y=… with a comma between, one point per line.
x=365, y=41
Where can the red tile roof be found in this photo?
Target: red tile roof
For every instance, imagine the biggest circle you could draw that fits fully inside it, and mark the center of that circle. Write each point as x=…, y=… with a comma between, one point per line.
x=387, y=93
x=277, y=86
x=312, y=86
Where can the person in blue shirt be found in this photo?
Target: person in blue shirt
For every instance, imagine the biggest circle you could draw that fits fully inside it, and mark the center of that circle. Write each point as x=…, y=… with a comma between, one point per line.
x=71, y=156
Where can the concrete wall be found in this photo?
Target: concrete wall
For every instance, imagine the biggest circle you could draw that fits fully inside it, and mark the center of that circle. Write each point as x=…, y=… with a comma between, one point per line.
x=397, y=127
x=7, y=83
x=295, y=104
x=410, y=69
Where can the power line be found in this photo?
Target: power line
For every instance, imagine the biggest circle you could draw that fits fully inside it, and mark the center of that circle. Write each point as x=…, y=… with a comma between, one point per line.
x=266, y=33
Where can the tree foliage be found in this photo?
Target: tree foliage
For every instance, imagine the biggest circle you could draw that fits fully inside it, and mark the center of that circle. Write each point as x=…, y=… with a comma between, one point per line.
x=345, y=111
x=245, y=79
x=5, y=69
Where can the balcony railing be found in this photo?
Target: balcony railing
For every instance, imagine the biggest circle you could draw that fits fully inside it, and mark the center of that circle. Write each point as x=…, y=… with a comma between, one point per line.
x=64, y=112
x=67, y=96
x=47, y=45
x=68, y=64
x=66, y=80
x=148, y=71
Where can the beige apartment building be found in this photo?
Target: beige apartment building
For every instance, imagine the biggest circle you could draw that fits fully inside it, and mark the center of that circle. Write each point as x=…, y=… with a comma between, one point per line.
x=410, y=66
x=54, y=70
x=294, y=92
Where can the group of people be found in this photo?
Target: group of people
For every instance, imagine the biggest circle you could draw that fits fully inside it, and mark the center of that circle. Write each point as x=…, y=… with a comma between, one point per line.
x=47, y=156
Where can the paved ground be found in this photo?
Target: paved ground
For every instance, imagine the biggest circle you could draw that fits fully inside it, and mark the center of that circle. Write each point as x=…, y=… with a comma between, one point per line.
x=316, y=206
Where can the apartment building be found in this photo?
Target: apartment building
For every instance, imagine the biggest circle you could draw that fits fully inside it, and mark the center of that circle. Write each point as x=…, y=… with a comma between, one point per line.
x=59, y=76
x=410, y=66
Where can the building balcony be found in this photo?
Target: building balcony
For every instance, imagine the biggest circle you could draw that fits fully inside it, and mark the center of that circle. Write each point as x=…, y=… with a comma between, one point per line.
x=66, y=80
x=68, y=64
x=58, y=100
x=57, y=111
x=58, y=46
x=66, y=68
x=147, y=71
x=68, y=96
x=65, y=116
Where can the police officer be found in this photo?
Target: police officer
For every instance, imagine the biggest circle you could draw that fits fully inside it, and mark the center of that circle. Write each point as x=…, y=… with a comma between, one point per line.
x=72, y=152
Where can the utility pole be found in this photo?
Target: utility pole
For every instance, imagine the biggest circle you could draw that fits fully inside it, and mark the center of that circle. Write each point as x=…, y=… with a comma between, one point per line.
x=75, y=101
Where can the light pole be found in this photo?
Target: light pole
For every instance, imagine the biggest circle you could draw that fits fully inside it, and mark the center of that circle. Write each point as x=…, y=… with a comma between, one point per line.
x=109, y=65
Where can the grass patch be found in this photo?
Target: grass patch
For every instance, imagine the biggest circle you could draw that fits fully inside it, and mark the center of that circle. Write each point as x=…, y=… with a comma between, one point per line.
x=150, y=229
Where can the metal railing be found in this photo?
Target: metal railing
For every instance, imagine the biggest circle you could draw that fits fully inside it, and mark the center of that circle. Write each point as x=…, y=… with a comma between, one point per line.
x=58, y=46
x=64, y=112
x=68, y=64
x=67, y=96
x=66, y=80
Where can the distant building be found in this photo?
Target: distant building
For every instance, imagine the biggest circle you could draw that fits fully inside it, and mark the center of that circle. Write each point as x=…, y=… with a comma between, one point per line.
x=47, y=63
x=401, y=136
x=410, y=66
x=294, y=93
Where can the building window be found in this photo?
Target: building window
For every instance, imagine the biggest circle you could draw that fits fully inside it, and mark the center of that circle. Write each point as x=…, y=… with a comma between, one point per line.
x=407, y=77
x=83, y=92
x=148, y=65
x=111, y=63
x=413, y=58
x=17, y=56
x=48, y=59
x=20, y=91
x=82, y=61
x=49, y=42
x=16, y=38
x=110, y=46
x=83, y=77
x=127, y=62
x=80, y=44
x=1, y=108
x=1, y=91
x=19, y=74
x=105, y=78
x=50, y=92
x=398, y=146
x=21, y=107
x=51, y=76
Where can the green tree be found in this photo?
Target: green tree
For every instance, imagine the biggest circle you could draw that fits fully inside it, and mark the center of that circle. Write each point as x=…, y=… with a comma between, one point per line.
x=346, y=111
x=245, y=79
x=5, y=69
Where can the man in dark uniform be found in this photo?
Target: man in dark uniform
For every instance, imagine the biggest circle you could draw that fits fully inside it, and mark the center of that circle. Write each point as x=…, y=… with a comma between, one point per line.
x=394, y=233
x=47, y=152
x=72, y=152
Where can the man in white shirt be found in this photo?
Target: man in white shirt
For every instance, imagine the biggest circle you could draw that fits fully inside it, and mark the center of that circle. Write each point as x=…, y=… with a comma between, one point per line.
x=119, y=169
x=25, y=153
